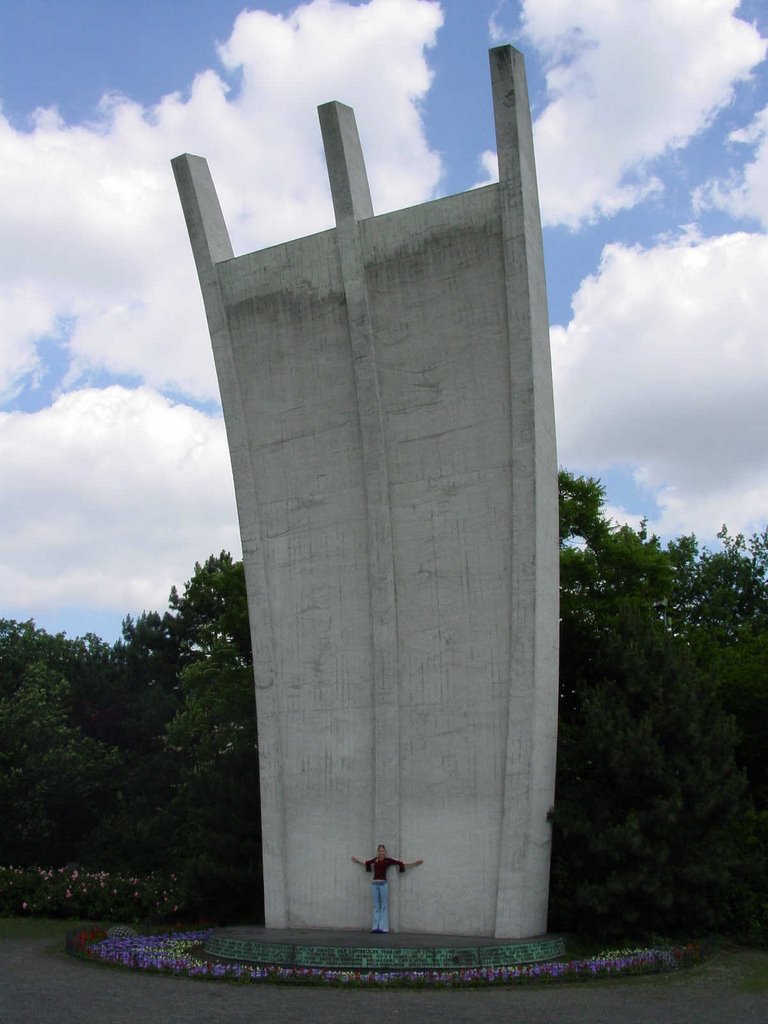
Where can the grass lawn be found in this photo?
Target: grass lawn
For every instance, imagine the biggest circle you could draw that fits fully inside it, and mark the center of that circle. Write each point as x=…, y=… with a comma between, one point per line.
x=754, y=971
x=37, y=927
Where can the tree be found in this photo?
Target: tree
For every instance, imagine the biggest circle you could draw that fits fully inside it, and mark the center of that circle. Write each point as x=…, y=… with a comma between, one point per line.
x=128, y=699
x=720, y=607
x=216, y=804
x=54, y=782
x=720, y=598
x=605, y=571
x=113, y=703
x=648, y=793
x=148, y=659
x=190, y=799
x=648, y=801
x=212, y=607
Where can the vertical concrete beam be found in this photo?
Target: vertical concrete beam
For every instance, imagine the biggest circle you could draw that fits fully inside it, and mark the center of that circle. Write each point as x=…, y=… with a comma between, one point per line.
x=208, y=233
x=352, y=203
x=346, y=165
x=532, y=716
x=211, y=246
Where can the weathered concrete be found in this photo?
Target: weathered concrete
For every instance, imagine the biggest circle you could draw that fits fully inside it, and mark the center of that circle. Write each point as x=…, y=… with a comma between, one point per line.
x=387, y=394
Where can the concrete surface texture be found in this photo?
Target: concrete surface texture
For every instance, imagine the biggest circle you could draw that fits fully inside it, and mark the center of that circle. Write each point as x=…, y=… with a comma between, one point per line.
x=387, y=393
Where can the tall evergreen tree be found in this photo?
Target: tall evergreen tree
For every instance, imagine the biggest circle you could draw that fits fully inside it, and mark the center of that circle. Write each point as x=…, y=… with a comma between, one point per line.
x=55, y=783
x=216, y=803
x=648, y=793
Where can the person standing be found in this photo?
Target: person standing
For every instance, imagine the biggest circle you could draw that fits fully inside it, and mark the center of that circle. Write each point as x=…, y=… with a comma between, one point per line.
x=380, y=864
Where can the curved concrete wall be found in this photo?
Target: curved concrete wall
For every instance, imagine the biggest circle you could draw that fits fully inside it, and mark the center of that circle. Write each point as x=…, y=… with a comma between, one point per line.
x=388, y=400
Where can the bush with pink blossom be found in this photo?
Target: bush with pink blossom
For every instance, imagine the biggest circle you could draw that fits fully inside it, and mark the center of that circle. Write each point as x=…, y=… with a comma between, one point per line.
x=72, y=892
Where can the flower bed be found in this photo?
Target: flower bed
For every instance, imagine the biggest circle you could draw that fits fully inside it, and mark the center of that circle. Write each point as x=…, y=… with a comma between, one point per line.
x=72, y=892
x=181, y=953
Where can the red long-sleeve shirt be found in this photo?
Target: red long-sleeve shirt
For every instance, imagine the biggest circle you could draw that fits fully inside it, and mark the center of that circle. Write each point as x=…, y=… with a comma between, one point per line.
x=380, y=867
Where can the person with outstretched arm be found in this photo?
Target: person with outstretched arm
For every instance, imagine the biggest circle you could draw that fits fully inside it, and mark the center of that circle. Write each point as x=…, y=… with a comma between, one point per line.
x=379, y=887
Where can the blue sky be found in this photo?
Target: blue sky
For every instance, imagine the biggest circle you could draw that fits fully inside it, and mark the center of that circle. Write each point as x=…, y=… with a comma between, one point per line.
x=651, y=129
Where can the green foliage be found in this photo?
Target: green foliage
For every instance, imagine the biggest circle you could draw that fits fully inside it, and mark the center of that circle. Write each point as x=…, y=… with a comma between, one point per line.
x=148, y=660
x=748, y=918
x=213, y=609
x=141, y=757
x=582, y=515
x=604, y=568
x=83, y=771
x=605, y=571
x=72, y=892
x=742, y=672
x=132, y=833
x=217, y=719
x=648, y=818
x=54, y=782
x=720, y=606
x=216, y=802
x=721, y=597
x=648, y=793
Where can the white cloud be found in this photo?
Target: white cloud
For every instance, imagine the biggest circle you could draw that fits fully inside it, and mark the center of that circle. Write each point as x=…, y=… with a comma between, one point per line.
x=370, y=57
x=664, y=367
x=746, y=193
x=497, y=30
x=26, y=313
x=489, y=164
x=627, y=82
x=106, y=496
x=89, y=216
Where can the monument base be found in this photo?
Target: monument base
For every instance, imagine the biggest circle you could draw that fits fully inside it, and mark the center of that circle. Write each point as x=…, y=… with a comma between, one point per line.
x=386, y=952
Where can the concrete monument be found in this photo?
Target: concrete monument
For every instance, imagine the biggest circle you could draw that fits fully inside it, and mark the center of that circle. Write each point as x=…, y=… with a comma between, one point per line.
x=387, y=394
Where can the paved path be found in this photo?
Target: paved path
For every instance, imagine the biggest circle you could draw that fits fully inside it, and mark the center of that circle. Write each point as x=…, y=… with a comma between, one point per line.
x=39, y=984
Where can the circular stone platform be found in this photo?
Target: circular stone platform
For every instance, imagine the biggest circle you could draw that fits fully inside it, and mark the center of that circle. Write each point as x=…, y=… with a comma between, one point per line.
x=390, y=952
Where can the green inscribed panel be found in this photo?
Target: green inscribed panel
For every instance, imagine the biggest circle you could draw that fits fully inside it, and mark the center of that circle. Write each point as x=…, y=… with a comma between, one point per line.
x=253, y=952
x=521, y=953
x=379, y=958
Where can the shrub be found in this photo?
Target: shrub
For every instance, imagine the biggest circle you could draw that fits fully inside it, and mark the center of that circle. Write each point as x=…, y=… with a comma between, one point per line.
x=73, y=893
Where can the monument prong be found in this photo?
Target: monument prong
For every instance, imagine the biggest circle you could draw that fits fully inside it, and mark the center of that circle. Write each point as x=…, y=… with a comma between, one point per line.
x=531, y=731
x=208, y=233
x=346, y=164
x=211, y=246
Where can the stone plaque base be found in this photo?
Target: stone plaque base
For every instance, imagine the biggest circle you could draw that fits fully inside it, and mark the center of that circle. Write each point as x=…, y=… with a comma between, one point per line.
x=390, y=952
